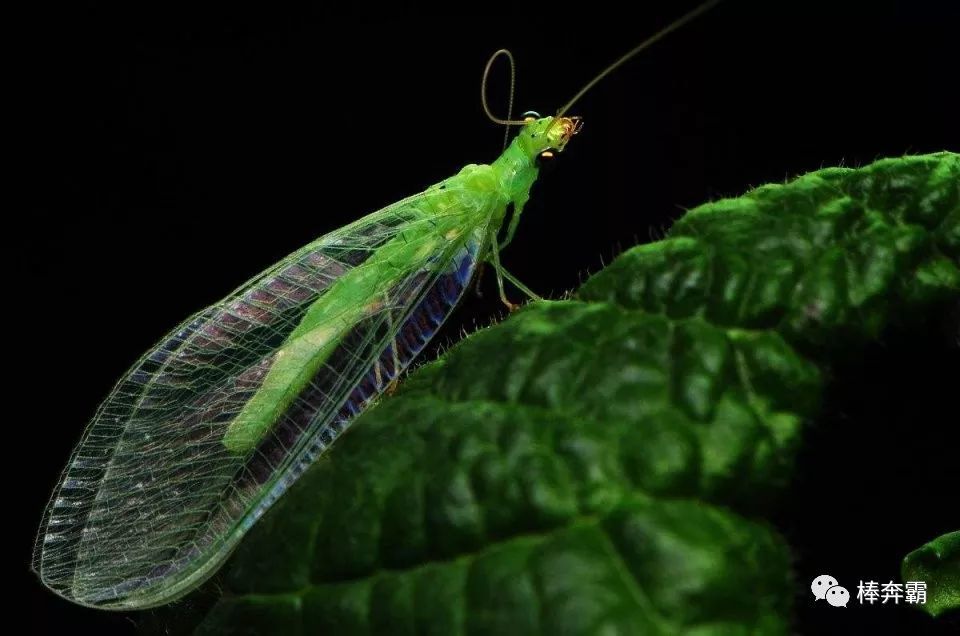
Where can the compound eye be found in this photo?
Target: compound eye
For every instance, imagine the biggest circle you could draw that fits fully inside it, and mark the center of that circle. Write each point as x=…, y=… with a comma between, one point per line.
x=530, y=116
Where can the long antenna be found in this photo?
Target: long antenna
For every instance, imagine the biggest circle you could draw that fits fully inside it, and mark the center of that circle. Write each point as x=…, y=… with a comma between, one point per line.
x=483, y=94
x=653, y=39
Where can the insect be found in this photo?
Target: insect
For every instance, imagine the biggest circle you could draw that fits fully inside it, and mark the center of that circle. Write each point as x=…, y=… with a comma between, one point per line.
x=207, y=430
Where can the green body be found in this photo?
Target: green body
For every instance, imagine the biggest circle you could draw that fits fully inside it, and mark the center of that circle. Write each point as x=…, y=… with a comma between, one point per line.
x=477, y=197
x=168, y=478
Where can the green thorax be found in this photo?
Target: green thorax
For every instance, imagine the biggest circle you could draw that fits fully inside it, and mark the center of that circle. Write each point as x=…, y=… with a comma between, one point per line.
x=515, y=170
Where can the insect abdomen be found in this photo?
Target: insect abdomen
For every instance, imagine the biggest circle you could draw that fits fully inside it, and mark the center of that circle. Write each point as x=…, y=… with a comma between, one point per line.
x=437, y=302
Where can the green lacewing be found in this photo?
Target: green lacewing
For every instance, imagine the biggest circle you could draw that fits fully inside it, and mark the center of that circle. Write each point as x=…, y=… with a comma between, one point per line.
x=205, y=431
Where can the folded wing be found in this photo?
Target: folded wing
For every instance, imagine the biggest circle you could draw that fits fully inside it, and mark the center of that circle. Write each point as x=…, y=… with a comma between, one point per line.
x=206, y=430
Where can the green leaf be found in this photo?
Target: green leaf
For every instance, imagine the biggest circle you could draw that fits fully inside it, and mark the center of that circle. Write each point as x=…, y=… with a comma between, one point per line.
x=604, y=464
x=937, y=564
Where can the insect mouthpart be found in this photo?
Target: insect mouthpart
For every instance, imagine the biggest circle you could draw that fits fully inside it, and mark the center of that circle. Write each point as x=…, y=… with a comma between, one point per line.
x=570, y=126
x=561, y=130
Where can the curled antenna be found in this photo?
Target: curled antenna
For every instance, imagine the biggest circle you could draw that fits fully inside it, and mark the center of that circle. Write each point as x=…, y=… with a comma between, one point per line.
x=670, y=28
x=483, y=94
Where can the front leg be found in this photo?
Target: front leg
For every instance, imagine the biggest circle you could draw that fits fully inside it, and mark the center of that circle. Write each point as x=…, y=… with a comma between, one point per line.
x=501, y=273
x=514, y=221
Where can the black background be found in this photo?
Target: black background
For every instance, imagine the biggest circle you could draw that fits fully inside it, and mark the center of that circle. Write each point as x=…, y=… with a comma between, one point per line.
x=167, y=157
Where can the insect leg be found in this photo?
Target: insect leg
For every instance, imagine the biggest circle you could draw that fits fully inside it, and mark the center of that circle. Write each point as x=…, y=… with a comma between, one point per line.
x=516, y=283
x=495, y=261
x=392, y=385
x=478, y=278
x=376, y=374
x=512, y=228
x=502, y=273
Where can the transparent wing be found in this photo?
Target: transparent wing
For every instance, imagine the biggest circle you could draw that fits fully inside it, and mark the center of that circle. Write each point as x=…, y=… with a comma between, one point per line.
x=153, y=499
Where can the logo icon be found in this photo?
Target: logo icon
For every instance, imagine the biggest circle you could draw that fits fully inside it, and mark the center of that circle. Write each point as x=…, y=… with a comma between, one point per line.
x=838, y=596
x=821, y=584
x=825, y=587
